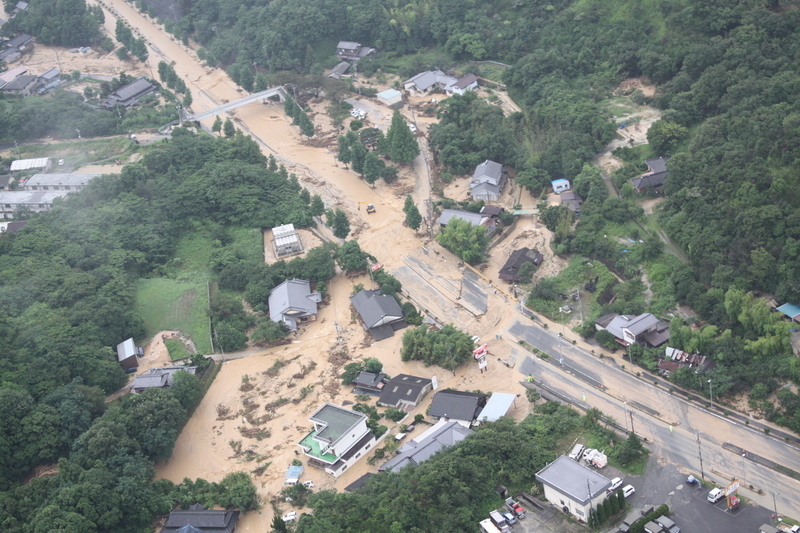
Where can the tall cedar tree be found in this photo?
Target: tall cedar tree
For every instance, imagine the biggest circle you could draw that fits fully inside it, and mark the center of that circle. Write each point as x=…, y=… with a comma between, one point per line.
x=401, y=145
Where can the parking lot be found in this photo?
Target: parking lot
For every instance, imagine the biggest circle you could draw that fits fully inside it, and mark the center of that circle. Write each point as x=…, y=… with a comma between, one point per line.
x=662, y=483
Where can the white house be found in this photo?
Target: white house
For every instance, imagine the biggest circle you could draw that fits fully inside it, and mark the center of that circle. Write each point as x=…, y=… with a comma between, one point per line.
x=340, y=438
x=560, y=185
x=464, y=84
x=487, y=181
x=573, y=487
x=58, y=182
x=34, y=201
x=292, y=301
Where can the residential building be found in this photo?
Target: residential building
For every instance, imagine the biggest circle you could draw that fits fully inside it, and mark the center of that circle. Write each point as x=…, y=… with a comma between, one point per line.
x=28, y=164
x=23, y=43
x=339, y=70
x=475, y=219
x=21, y=6
x=33, y=201
x=391, y=98
x=340, y=438
x=497, y=407
x=12, y=227
x=12, y=73
x=201, y=519
x=487, y=181
x=404, y=392
x=57, y=182
x=655, y=177
x=369, y=383
x=380, y=313
x=21, y=86
x=460, y=406
x=573, y=487
x=442, y=435
x=162, y=377
x=464, y=84
x=644, y=329
x=510, y=271
x=425, y=82
x=292, y=301
x=128, y=95
x=352, y=51
x=286, y=241
x=127, y=354
x=560, y=186
x=50, y=76
x=674, y=359
x=572, y=201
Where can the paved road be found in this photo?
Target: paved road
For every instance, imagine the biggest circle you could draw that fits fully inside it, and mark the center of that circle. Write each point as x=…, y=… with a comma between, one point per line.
x=668, y=422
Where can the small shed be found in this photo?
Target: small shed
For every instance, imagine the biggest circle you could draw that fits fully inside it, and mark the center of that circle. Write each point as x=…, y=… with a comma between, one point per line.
x=792, y=311
x=560, y=186
x=126, y=354
x=392, y=98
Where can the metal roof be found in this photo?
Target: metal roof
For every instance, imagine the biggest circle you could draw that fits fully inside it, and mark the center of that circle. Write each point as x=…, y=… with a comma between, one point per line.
x=27, y=164
x=476, y=219
x=291, y=295
x=790, y=310
x=348, y=45
x=466, y=81
x=39, y=180
x=148, y=381
x=657, y=165
x=497, y=406
x=12, y=73
x=125, y=349
x=20, y=82
x=133, y=89
x=30, y=197
x=573, y=480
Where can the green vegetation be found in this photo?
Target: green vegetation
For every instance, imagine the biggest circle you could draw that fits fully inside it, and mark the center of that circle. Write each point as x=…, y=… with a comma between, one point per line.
x=465, y=240
x=170, y=304
x=400, y=144
x=66, y=23
x=177, y=349
x=413, y=216
x=448, y=347
x=545, y=299
x=298, y=115
x=453, y=490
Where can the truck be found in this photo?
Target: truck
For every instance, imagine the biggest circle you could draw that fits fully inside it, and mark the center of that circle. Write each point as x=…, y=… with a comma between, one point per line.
x=500, y=522
x=487, y=526
x=595, y=458
x=515, y=507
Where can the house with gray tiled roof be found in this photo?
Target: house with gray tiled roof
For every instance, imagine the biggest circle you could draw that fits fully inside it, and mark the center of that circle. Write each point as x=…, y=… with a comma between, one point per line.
x=442, y=435
x=292, y=301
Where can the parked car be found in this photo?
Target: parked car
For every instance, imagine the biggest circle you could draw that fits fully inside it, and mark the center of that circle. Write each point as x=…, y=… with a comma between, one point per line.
x=308, y=484
x=615, y=484
x=715, y=495
x=291, y=516
x=627, y=490
x=510, y=518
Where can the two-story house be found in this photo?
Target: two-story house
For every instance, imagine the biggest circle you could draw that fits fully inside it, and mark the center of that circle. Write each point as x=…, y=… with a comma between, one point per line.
x=340, y=438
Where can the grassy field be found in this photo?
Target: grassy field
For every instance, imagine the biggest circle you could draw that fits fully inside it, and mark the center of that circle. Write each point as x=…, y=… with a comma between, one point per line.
x=77, y=153
x=579, y=272
x=166, y=303
x=176, y=348
x=180, y=300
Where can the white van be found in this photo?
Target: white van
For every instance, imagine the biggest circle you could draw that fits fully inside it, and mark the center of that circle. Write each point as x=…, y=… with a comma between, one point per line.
x=577, y=452
x=715, y=495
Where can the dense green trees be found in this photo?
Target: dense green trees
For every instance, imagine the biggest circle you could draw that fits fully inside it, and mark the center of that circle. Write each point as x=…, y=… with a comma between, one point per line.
x=66, y=23
x=450, y=491
x=413, y=217
x=400, y=144
x=465, y=240
x=447, y=347
x=298, y=115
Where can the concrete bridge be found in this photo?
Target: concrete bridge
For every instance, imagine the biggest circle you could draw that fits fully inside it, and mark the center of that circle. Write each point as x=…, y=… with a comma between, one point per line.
x=256, y=97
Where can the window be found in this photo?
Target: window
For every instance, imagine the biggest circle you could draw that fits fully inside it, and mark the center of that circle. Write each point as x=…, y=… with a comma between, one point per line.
x=44, y=187
x=358, y=455
x=579, y=511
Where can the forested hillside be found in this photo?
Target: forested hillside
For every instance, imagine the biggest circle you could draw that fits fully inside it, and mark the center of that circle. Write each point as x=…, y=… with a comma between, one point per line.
x=66, y=294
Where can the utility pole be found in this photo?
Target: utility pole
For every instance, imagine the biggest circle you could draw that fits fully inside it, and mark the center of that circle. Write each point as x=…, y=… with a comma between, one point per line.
x=219, y=345
x=633, y=430
x=700, y=455
x=711, y=392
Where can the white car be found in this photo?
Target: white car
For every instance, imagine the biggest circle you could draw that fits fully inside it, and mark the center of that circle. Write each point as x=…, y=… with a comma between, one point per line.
x=413, y=128
x=627, y=490
x=291, y=516
x=308, y=484
x=476, y=339
x=510, y=518
x=615, y=484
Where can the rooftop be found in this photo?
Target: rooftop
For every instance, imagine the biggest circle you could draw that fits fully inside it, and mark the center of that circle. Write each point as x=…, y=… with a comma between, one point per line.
x=476, y=219
x=497, y=406
x=790, y=310
x=348, y=45
x=641, y=323
x=403, y=387
x=26, y=164
x=126, y=349
x=30, y=197
x=573, y=479
x=466, y=81
x=375, y=308
x=490, y=169
x=336, y=421
x=657, y=165
x=20, y=82
x=207, y=520
x=458, y=405
x=39, y=180
x=425, y=446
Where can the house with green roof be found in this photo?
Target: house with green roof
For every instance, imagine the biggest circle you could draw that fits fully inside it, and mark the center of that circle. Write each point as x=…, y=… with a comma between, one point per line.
x=340, y=438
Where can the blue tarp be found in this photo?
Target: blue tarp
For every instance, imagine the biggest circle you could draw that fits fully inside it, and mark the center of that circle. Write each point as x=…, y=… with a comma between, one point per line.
x=790, y=310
